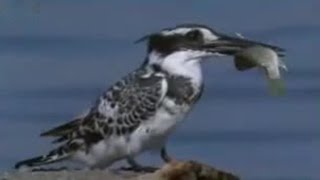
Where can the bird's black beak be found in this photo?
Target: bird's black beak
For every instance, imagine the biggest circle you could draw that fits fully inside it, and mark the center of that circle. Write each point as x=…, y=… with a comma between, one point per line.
x=228, y=45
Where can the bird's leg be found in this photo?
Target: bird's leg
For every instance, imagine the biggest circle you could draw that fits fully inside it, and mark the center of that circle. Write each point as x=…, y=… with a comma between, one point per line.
x=164, y=155
x=134, y=166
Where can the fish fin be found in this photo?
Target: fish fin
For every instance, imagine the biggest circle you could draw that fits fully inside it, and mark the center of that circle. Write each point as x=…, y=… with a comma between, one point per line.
x=283, y=65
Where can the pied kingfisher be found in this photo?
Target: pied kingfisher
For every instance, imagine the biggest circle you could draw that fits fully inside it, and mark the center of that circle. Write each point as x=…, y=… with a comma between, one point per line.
x=140, y=111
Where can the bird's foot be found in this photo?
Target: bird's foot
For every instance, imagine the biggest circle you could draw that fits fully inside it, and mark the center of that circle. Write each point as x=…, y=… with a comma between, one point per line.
x=165, y=156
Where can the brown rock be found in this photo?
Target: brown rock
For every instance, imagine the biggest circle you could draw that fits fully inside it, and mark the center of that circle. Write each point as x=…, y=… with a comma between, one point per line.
x=178, y=170
x=192, y=170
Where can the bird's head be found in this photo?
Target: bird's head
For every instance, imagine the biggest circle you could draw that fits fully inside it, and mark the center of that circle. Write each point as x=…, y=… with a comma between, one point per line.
x=194, y=42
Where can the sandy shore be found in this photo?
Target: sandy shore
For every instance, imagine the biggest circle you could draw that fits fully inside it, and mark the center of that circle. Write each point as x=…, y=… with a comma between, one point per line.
x=189, y=170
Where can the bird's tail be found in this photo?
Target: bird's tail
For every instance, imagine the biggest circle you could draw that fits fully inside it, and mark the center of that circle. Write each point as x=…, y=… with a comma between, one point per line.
x=55, y=155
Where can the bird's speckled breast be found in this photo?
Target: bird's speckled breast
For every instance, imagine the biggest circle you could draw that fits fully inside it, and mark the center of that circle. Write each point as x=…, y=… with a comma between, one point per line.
x=182, y=91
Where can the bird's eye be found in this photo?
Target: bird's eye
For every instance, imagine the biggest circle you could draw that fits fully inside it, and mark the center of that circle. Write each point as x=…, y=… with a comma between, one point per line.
x=194, y=35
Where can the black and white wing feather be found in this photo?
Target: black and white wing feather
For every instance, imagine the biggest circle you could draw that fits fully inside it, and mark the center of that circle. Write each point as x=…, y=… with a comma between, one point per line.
x=119, y=111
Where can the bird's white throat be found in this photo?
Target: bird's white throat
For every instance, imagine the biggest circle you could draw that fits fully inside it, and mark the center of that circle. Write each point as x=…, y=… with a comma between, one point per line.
x=183, y=63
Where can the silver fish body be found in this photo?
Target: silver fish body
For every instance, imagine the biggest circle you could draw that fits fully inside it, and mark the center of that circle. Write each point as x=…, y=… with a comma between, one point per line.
x=266, y=59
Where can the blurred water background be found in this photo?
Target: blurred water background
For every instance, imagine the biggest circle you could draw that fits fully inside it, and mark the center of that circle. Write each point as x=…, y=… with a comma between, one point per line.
x=57, y=56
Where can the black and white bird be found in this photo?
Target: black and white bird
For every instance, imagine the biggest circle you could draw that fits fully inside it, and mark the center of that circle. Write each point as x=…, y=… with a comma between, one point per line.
x=140, y=111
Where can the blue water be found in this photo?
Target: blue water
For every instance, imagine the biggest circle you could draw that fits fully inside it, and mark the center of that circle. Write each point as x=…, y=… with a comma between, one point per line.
x=47, y=77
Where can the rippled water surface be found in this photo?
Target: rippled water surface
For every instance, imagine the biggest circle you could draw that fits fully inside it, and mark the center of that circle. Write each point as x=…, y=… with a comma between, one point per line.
x=46, y=79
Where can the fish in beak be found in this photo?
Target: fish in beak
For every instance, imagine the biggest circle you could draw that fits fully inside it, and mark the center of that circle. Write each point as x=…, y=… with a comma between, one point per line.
x=229, y=45
x=249, y=54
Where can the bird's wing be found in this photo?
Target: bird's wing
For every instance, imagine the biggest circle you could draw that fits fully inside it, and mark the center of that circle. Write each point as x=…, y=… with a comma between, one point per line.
x=120, y=109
